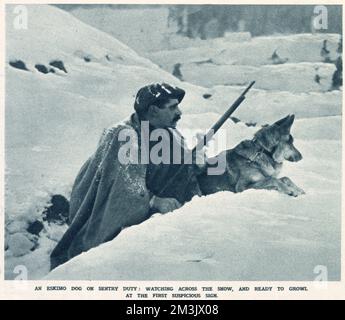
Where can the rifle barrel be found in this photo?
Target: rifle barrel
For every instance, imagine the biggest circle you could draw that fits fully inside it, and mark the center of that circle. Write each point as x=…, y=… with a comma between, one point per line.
x=248, y=88
x=222, y=119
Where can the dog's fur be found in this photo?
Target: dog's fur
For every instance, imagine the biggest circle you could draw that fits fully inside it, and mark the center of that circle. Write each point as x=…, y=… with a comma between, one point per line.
x=256, y=163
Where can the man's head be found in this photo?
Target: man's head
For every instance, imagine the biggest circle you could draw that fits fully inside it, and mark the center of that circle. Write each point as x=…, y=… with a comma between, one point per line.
x=159, y=104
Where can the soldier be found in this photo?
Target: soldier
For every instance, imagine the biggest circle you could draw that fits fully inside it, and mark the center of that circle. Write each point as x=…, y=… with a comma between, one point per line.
x=112, y=191
x=325, y=53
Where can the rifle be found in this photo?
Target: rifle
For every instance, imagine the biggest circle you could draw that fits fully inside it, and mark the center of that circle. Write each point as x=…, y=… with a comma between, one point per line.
x=209, y=135
x=182, y=193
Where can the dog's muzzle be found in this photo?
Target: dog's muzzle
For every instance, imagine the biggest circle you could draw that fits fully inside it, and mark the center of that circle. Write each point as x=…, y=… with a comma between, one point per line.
x=295, y=157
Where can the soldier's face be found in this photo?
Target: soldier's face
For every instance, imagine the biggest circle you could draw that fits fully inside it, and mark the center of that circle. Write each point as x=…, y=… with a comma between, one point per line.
x=168, y=115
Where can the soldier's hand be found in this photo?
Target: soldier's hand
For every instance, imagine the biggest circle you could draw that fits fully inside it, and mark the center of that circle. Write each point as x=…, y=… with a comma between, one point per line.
x=201, y=159
x=164, y=205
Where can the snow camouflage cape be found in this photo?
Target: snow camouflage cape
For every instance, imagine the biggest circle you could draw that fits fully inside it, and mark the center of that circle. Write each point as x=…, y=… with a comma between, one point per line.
x=106, y=197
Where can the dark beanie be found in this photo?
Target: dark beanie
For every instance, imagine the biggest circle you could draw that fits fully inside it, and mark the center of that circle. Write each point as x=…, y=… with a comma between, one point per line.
x=154, y=93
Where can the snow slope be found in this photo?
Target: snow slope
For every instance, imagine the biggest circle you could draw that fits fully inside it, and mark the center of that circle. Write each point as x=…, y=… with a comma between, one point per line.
x=54, y=120
x=61, y=115
x=255, y=235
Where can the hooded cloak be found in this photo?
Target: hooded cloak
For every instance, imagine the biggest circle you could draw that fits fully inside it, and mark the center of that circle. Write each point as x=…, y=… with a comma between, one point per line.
x=108, y=195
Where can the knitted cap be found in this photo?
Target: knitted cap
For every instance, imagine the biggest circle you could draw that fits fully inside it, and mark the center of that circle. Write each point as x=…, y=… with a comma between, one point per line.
x=152, y=93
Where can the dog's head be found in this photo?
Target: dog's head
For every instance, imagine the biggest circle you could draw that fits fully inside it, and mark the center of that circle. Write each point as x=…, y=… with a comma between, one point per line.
x=277, y=140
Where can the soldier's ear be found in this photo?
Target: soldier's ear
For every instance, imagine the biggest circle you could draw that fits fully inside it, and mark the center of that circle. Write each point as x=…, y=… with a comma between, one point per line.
x=152, y=110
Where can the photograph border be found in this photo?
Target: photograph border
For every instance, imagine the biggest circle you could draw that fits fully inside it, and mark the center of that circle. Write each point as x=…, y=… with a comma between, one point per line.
x=27, y=289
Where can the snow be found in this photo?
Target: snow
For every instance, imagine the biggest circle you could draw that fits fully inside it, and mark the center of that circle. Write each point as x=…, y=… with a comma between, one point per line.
x=36, y=262
x=129, y=26
x=254, y=52
x=53, y=122
x=67, y=113
x=254, y=235
x=64, y=36
x=267, y=106
x=293, y=77
x=225, y=62
x=176, y=41
x=20, y=244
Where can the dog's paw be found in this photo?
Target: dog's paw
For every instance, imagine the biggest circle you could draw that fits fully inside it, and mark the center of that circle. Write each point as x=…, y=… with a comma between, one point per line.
x=301, y=191
x=295, y=192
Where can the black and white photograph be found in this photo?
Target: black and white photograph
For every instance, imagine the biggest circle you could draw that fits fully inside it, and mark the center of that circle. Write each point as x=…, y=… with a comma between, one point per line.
x=173, y=142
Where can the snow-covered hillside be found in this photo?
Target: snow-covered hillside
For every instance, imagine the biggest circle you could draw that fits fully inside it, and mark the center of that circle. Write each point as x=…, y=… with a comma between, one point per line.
x=54, y=120
x=60, y=115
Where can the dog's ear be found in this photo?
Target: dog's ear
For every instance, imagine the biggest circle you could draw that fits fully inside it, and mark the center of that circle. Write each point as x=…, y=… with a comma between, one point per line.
x=285, y=126
x=281, y=121
x=268, y=137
